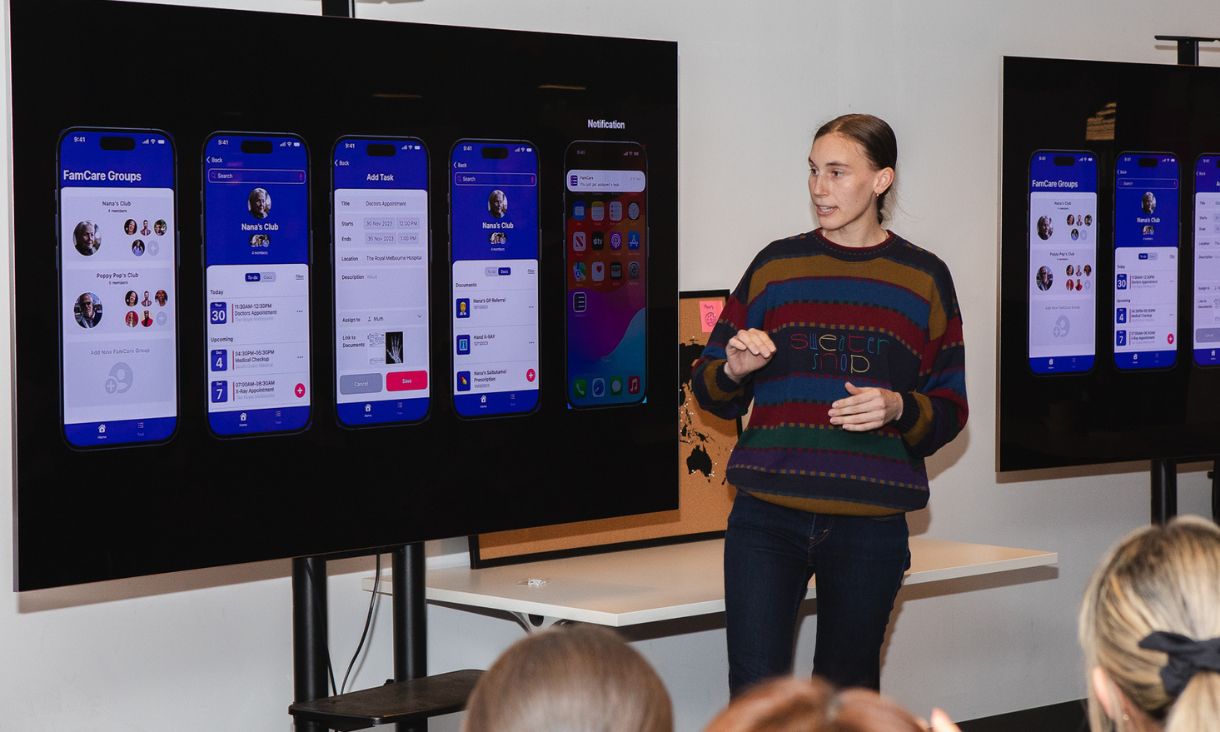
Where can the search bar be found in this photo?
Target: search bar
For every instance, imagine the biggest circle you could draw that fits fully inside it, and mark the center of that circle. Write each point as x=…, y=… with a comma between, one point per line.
x=605, y=181
x=243, y=175
x=495, y=179
x=1148, y=183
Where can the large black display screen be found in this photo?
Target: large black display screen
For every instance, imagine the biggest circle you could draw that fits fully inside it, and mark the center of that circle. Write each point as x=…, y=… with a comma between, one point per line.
x=290, y=285
x=1110, y=263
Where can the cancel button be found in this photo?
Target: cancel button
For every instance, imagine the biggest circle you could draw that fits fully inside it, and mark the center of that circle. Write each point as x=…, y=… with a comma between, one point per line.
x=360, y=384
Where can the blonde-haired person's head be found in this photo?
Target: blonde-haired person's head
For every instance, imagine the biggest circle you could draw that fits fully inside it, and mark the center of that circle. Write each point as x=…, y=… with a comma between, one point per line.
x=1158, y=588
x=570, y=679
x=812, y=705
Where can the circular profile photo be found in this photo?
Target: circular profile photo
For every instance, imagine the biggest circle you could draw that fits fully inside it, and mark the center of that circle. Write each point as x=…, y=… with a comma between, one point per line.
x=497, y=204
x=1078, y=270
x=260, y=241
x=131, y=298
x=130, y=226
x=1075, y=234
x=1148, y=202
x=1044, y=278
x=132, y=319
x=1071, y=220
x=160, y=227
x=259, y=203
x=147, y=301
x=161, y=319
x=1148, y=230
x=1088, y=270
x=1069, y=270
x=1044, y=228
x=144, y=230
x=1088, y=219
x=137, y=247
x=162, y=297
x=1079, y=286
x=1071, y=285
x=87, y=238
x=147, y=320
x=88, y=310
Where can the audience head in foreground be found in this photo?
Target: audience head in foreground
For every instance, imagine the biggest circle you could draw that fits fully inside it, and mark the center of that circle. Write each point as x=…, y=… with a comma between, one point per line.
x=570, y=679
x=1150, y=630
x=812, y=705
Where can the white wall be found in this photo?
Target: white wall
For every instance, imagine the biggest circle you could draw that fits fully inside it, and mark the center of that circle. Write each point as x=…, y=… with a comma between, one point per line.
x=211, y=649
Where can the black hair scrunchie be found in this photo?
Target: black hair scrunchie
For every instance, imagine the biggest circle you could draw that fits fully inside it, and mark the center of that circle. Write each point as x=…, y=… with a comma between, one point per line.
x=1187, y=657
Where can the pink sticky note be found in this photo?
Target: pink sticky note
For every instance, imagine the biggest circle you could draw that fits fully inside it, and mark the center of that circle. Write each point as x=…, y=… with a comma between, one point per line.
x=709, y=313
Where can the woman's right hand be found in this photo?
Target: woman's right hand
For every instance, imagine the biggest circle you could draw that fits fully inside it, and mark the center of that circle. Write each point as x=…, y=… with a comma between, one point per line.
x=748, y=351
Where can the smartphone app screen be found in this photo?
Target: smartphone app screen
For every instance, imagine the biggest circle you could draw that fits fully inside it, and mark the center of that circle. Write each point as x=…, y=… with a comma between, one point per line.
x=118, y=293
x=256, y=254
x=1207, y=260
x=380, y=218
x=606, y=258
x=1062, y=271
x=494, y=258
x=1145, y=314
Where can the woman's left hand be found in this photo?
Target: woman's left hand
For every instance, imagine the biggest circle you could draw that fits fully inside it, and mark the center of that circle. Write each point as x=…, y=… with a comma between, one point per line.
x=866, y=409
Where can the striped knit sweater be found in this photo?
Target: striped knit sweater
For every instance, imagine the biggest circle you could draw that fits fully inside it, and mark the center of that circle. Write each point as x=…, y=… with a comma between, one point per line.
x=884, y=316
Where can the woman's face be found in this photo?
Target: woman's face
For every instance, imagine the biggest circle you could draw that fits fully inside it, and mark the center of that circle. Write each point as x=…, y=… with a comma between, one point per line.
x=843, y=183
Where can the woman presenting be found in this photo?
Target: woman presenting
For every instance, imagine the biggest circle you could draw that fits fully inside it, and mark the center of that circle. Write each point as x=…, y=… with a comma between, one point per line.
x=848, y=340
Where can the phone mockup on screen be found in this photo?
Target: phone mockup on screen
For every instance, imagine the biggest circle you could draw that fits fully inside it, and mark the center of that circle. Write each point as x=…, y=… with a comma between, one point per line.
x=1062, y=267
x=379, y=190
x=606, y=263
x=117, y=287
x=1145, y=314
x=256, y=258
x=1207, y=260
x=493, y=228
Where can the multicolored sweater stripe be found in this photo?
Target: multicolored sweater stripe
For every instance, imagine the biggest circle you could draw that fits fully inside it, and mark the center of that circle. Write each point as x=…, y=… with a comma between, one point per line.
x=885, y=316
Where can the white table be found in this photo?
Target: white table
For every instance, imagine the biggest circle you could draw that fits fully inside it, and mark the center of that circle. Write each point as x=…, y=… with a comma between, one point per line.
x=666, y=582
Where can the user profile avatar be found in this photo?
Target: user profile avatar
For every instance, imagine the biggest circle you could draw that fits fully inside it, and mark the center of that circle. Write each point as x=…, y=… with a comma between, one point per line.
x=1044, y=278
x=1075, y=234
x=259, y=203
x=1148, y=202
x=131, y=298
x=1088, y=270
x=260, y=241
x=87, y=238
x=88, y=310
x=147, y=320
x=1079, y=286
x=160, y=227
x=499, y=237
x=1088, y=219
x=137, y=247
x=147, y=301
x=162, y=297
x=1078, y=270
x=1071, y=285
x=1148, y=230
x=129, y=227
x=1044, y=228
x=1069, y=270
x=497, y=204
x=132, y=319
x=144, y=230
x=1071, y=220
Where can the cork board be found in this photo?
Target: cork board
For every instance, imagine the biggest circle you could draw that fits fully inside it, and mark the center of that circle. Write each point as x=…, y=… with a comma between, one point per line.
x=704, y=497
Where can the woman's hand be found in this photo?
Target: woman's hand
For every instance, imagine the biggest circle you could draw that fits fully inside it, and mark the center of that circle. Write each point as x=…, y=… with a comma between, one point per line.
x=748, y=351
x=866, y=409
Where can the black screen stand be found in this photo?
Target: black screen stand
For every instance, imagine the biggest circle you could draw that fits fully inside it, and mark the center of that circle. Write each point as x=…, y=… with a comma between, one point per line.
x=411, y=697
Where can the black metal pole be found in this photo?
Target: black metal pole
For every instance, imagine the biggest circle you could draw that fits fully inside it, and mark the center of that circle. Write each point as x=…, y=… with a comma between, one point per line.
x=410, y=620
x=309, y=653
x=339, y=8
x=1215, y=476
x=1164, y=490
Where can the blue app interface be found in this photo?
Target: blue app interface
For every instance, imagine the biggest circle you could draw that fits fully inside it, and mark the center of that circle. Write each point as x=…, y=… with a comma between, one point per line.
x=256, y=252
x=1207, y=260
x=494, y=257
x=118, y=289
x=1145, y=314
x=380, y=217
x=1062, y=267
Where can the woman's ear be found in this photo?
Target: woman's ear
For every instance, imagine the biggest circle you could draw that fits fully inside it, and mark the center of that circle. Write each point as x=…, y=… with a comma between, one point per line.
x=883, y=181
x=1106, y=692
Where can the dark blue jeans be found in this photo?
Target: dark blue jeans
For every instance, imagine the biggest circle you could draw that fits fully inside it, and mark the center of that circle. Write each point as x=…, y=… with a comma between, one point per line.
x=770, y=552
